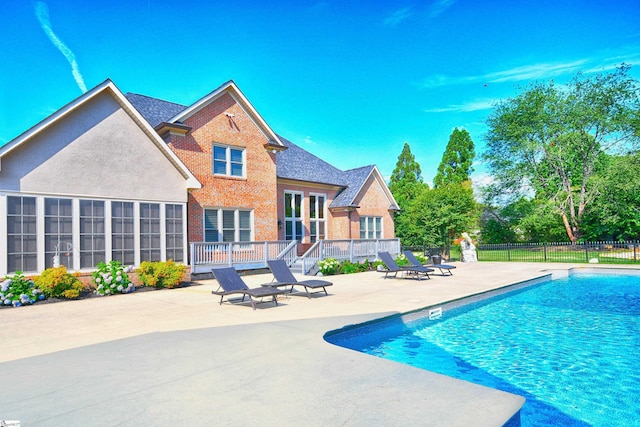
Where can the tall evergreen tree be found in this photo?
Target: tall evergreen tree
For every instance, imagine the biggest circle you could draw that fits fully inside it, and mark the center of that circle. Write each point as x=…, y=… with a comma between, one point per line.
x=457, y=159
x=406, y=184
x=406, y=178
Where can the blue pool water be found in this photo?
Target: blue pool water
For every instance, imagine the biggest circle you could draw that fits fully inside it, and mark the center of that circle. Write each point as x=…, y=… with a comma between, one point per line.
x=570, y=346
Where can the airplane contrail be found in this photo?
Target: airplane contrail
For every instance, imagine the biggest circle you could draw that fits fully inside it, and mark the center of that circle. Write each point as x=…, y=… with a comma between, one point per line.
x=42, y=12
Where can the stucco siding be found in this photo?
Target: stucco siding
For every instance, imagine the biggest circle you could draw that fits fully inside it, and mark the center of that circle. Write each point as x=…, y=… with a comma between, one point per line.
x=94, y=151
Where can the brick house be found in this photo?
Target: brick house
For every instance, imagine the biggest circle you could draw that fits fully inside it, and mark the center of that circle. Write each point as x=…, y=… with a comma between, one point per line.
x=258, y=185
x=134, y=178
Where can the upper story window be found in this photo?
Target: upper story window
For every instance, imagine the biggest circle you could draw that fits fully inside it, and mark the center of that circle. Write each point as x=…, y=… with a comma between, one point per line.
x=228, y=161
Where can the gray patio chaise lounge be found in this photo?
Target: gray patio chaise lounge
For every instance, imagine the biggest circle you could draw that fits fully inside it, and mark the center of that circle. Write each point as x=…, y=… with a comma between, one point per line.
x=445, y=269
x=284, y=277
x=230, y=283
x=406, y=270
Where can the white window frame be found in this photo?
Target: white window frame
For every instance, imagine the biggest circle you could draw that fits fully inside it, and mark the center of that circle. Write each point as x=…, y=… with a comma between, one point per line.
x=317, y=220
x=227, y=160
x=371, y=233
x=297, y=218
x=73, y=263
x=236, y=224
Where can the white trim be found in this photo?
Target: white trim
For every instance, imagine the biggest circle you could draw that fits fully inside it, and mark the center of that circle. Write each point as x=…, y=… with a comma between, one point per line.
x=378, y=176
x=236, y=223
x=325, y=215
x=109, y=86
x=75, y=203
x=293, y=218
x=232, y=89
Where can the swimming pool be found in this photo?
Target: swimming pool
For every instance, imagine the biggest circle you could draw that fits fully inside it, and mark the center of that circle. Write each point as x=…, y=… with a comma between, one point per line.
x=569, y=345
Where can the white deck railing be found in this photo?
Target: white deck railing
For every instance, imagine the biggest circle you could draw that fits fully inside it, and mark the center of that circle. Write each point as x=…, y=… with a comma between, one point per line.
x=253, y=255
x=353, y=250
x=249, y=255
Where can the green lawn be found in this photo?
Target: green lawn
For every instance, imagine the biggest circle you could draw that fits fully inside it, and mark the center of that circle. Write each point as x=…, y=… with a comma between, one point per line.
x=538, y=255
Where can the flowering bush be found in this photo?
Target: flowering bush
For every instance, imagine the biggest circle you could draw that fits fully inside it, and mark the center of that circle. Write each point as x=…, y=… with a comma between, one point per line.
x=19, y=290
x=112, y=278
x=56, y=282
x=402, y=260
x=328, y=266
x=161, y=274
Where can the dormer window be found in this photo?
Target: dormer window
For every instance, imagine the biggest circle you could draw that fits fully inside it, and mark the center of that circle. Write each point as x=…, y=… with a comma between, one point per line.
x=229, y=161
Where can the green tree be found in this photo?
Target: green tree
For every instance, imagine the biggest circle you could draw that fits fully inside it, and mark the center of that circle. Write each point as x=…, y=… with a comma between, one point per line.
x=548, y=140
x=523, y=220
x=405, y=184
x=457, y=159
x=441, y=214
x=615, y=213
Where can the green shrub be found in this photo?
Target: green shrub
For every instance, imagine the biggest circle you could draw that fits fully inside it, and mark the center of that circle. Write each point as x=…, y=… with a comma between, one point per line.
x=378, y=264
x=402, y=260
x=56, y=282
x=161, y=274
x=19, y=290
x=347, y=267
x=111, y=279
x=328, y=266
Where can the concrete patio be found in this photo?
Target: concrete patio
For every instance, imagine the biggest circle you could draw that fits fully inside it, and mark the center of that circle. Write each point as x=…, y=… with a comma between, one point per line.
x=176, y=357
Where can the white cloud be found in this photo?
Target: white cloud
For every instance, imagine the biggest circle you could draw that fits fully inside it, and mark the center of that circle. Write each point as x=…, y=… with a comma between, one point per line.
x=439, y=7
x=398, y=16
x=467, y=107
x=42, y=13
x=600, y=61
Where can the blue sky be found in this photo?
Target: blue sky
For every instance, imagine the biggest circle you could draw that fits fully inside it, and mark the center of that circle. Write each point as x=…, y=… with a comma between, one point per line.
x=350, y=81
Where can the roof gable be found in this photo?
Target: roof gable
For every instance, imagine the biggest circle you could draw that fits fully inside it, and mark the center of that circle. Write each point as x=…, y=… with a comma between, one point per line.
x=110, y=88
x=232, y=89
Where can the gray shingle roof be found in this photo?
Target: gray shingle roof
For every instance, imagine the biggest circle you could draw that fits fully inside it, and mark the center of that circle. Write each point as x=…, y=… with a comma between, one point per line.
x=298, y=164
x=354, y=180
x=154, y=110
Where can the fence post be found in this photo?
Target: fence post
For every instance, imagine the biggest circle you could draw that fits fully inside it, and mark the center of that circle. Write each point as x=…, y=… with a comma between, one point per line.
x=635, y=251
x=544, y=250
x=586, y=250
x=508, y=251
x=351, y=250
x=266, y=253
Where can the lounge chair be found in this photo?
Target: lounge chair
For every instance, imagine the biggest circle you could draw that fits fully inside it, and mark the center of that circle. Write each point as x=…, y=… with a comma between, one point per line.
x=284, y=277
x=445, y=269
x=231, y=283
x=406, y=270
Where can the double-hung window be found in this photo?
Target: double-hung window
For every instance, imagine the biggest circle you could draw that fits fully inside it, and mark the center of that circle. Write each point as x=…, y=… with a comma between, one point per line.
x=227, y=225
x=228, y=161
x=370, y=227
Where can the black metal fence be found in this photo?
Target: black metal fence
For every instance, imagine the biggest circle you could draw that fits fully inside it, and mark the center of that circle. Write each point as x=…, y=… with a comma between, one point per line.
x=588, y=252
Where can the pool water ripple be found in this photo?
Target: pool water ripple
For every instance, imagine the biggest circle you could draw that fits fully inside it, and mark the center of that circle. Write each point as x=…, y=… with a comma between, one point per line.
x=570, y=346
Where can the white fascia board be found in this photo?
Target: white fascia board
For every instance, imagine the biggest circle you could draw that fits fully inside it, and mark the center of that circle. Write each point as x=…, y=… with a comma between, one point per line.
x=237, y=95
